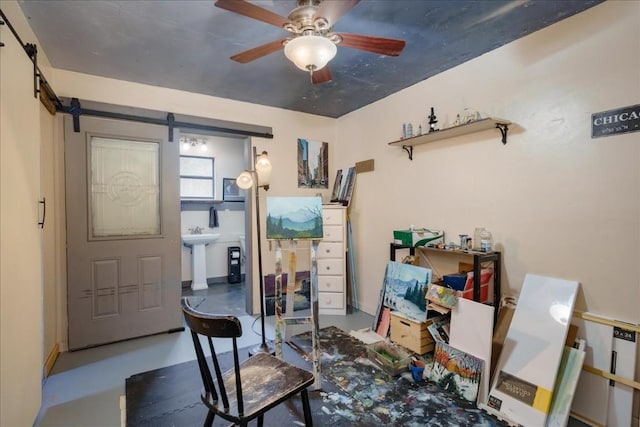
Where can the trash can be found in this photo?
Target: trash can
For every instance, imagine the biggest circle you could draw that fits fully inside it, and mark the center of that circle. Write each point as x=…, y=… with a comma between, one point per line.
x=233, y=267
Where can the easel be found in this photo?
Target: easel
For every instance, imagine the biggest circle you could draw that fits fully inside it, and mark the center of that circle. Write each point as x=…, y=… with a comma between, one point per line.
x=290, y=319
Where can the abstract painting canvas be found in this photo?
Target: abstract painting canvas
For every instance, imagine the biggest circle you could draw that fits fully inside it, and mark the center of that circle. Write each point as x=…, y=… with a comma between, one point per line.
x=294, y=218
x=456, y=371
x=405, y=287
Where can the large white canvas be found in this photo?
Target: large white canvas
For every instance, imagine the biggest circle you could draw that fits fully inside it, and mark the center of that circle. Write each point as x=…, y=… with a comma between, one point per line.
x=471, y=330
x=533, y=348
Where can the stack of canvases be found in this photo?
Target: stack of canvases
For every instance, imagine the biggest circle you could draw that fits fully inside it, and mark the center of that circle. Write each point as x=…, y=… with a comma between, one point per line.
x=536, y=375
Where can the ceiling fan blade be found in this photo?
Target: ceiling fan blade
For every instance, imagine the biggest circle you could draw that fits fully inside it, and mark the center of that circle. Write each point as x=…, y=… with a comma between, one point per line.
x=321, y=76
x=390, y=47
x=332, y=10
x=250, y=10
x=258, y=52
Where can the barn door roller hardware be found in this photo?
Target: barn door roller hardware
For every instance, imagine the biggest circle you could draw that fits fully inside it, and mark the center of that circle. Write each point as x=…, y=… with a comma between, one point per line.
x=40, y=85
x=1, y=23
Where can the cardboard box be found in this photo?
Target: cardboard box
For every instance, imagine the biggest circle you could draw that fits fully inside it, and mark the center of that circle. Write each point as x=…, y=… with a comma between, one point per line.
x=418, y=237
x=410, y=334
x=486, y=274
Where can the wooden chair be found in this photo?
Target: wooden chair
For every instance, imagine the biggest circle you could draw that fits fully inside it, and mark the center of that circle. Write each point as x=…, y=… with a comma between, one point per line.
x=252, y=387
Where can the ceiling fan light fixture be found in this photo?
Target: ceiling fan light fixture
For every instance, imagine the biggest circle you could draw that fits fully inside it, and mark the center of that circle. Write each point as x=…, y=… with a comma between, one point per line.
x=310, y=52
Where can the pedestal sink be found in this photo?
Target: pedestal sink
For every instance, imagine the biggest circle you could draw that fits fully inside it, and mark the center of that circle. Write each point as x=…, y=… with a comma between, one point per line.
x=197, y=243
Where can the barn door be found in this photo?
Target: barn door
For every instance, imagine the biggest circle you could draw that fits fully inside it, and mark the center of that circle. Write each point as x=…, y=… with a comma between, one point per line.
x=123, y=231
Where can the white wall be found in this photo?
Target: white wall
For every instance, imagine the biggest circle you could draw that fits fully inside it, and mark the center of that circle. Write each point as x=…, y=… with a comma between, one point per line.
x=21, y=281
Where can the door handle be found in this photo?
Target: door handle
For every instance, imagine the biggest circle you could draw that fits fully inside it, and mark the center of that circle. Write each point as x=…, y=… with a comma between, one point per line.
x=43, y=202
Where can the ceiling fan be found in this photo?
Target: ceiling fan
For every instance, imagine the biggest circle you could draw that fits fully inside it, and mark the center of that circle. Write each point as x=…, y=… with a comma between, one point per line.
x=312, y=43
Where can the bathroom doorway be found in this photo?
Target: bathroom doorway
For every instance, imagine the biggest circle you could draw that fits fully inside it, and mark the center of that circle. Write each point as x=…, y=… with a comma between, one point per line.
x=208, y=206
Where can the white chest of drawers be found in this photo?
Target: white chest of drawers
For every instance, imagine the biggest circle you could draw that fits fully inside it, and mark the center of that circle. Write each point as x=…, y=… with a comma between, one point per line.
x=332, y=261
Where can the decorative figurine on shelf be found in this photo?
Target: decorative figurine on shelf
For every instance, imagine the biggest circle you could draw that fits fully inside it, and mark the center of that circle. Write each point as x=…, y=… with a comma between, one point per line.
x=469, y=116
x=457, y=122
x=432, y=121
x=419, y=129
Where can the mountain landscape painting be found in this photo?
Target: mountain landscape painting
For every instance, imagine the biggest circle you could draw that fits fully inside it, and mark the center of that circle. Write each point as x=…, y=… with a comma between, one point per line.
x=405, y=287
x=294, y=218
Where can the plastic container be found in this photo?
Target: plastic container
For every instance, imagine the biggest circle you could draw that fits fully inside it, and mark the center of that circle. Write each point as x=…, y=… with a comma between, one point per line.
x=486, y=241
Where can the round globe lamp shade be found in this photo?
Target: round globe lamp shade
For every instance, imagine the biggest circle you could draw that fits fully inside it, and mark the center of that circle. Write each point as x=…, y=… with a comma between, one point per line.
x=244, y=180
x=310, y=53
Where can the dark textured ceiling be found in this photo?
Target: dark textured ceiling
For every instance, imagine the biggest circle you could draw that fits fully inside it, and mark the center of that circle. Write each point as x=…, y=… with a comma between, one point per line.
x=186, y=45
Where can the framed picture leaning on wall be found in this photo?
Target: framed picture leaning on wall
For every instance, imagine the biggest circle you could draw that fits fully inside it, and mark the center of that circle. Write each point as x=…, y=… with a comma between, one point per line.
x=230, y=191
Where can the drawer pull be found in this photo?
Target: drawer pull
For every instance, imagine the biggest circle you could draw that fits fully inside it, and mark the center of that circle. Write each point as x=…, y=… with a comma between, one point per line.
x=328, y=268
x=328, y=251
x=405, y=323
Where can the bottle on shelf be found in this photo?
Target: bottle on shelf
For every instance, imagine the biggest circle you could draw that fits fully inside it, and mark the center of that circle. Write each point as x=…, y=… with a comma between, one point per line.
x=476, y=238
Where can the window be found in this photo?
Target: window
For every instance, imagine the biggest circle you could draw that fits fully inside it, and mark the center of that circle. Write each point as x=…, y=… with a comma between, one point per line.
x=196, y=177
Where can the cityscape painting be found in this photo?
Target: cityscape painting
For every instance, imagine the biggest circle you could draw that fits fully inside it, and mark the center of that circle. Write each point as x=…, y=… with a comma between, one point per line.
x=313, y=164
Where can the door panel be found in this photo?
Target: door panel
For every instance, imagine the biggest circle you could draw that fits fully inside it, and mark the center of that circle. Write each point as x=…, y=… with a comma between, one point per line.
x=123, y=231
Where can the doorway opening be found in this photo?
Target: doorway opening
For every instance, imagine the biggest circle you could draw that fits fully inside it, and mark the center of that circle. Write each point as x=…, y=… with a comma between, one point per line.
x=211, y=205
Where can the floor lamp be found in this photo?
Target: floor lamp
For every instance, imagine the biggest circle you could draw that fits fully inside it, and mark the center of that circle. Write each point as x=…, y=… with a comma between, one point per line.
x=258, y=177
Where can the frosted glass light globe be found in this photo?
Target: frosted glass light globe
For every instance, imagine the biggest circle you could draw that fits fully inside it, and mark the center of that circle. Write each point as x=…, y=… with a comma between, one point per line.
x=244, y=180
x=310, y=53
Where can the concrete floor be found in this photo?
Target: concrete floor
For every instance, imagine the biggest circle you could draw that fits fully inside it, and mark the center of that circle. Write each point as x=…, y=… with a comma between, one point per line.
x=85, y=386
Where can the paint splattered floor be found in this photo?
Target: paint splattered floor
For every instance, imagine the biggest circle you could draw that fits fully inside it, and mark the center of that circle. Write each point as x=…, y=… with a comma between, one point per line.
x=360, y=394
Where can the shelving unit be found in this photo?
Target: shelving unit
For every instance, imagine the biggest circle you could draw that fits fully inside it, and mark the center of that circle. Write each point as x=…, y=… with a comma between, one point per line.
x=472, y=127
x=478, y=259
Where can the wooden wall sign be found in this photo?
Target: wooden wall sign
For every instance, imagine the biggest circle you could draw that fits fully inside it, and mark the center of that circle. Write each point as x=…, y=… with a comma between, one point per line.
x=613, y=122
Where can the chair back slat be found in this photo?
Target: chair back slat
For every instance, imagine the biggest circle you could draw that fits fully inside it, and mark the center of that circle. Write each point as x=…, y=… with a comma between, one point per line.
x=236, y=363
x=205, y=373
x=216, y=367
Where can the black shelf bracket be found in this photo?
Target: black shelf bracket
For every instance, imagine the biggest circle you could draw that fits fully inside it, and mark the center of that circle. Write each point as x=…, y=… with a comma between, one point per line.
x=1, y=23
x=409, y=150
x=503, y=130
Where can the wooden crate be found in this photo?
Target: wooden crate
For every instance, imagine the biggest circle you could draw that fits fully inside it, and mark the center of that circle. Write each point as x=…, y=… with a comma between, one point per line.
x=410, y=334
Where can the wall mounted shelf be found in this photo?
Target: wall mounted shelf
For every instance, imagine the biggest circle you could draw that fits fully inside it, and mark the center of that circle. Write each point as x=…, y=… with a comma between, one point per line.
x=475, y=126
